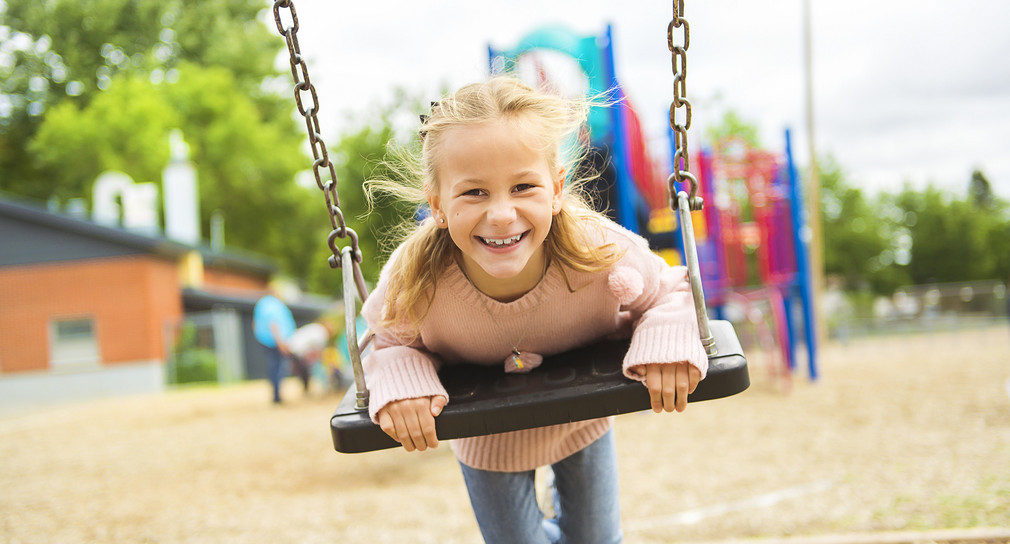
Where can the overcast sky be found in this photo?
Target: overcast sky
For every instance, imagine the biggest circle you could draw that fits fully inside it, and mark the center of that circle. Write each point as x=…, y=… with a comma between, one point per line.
x=904, y=90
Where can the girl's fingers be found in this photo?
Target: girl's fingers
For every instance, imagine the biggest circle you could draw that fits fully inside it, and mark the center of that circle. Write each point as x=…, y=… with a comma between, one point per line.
x=428, y=429
x=411, y=422
x=428, y=422
x=695, y=376
x=437, y=404
x=670, y=385
x=402, y=434
x=671, y=388
x=386, y=424
x=682, y=384
x=414, y=432
x=654, y=383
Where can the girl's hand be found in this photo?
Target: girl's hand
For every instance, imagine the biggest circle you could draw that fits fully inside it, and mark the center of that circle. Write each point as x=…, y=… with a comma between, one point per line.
x=411, y=422
x=670, y=384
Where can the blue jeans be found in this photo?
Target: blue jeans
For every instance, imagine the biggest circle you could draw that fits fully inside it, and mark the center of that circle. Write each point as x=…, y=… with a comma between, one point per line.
x=276, y=370
x=587, y=504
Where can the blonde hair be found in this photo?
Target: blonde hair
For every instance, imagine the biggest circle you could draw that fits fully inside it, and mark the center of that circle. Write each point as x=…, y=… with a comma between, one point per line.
x=427, y=250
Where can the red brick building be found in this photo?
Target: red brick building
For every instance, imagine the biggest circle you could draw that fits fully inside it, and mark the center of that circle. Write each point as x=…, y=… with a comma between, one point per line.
x=89, y=310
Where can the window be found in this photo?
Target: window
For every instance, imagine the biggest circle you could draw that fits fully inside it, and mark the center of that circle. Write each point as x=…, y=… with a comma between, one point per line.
x=73, y=342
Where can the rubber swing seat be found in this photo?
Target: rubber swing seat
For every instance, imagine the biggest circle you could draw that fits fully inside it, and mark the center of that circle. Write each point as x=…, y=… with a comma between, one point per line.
x=581, y=384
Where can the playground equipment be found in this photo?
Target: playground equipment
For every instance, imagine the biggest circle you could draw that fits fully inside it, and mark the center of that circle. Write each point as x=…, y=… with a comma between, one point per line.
x=581, y=384
x=755, y=249
x=749, y=242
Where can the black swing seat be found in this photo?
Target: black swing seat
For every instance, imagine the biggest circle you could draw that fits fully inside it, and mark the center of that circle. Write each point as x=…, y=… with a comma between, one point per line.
x=582, y=384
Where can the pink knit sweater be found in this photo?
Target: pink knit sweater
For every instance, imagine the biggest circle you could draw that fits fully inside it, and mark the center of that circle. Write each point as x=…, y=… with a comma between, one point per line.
x=640, y=291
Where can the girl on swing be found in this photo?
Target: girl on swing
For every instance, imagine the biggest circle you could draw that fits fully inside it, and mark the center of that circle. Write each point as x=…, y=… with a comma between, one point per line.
x=511, y=266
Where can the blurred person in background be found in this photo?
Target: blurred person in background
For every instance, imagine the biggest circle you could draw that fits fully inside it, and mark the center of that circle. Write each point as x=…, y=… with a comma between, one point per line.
x=273, y=326
x=306, y=347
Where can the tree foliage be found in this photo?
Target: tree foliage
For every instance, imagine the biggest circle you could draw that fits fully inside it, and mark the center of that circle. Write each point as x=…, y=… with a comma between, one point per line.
x=94, y=85
x=733, y=126
x=914, y=236
x=857, y=239
x=953, y=239
x=361, y=154
x=57, y=51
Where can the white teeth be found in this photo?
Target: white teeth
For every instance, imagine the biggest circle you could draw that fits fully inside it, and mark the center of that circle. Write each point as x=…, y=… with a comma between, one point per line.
x=502, y=241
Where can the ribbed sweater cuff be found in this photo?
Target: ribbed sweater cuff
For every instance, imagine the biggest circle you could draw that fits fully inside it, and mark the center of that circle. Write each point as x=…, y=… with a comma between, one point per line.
x=400, y=379
x=671, y=343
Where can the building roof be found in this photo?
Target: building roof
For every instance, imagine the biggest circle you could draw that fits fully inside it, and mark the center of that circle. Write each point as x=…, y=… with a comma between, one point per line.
x=306, y=308
x=33, y=234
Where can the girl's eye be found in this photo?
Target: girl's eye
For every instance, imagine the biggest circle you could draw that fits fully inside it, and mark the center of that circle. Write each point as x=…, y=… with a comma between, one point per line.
x=472, y=192
x=523, y=187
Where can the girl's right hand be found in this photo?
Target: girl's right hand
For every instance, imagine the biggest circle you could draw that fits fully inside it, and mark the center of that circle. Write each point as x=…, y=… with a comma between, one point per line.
x=411, y=422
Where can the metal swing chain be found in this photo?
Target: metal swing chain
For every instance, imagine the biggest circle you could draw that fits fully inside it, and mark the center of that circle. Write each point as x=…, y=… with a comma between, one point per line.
x=348, y=258
x=682, y=202
x=681, y=158
x=308, y=106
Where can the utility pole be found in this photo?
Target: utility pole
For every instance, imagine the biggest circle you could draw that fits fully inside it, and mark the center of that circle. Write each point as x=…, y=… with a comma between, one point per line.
x=813, y=183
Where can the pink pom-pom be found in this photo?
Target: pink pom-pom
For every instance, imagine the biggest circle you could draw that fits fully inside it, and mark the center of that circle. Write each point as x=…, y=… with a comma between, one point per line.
x=626, y=284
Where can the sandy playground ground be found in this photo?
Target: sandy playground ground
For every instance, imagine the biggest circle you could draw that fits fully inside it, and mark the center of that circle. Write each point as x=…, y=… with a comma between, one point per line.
x=901, y=433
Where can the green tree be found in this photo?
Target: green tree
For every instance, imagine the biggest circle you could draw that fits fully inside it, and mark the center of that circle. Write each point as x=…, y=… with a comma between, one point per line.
x=857, y=237
x=980, y=191
x=950, y=240
x=68, y=51
x=91, y=85
x=359, y=155
x=997, y=211
x=245, y=163
x=999, y=247
x=732, y=126
x=125, y=128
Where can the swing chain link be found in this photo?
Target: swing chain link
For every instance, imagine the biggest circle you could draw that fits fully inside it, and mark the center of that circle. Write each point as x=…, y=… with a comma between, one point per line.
x=308, y=106
x=682, y=157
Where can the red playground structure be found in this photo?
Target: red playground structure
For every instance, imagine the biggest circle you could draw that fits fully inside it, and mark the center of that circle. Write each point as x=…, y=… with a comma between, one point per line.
x=754, y=247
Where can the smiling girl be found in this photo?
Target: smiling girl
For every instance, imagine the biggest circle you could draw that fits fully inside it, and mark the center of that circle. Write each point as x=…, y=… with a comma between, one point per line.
x=511, y=266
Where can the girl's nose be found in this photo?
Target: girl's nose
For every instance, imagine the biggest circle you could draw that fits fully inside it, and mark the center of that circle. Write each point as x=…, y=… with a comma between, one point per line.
x=501, y=211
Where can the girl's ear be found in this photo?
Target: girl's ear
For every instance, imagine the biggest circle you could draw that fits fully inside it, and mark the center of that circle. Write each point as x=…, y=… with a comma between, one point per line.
x=559, y=188
x=436, y=211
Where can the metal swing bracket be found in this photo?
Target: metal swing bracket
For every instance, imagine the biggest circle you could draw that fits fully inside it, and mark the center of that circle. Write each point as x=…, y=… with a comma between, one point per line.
x=349, y=266
x=684, y=208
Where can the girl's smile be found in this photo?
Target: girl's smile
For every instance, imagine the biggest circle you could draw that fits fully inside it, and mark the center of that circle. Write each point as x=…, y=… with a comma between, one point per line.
x=496, y=194
x=503, y=242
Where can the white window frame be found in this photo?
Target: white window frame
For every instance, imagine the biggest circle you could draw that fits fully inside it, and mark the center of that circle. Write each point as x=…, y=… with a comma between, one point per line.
x=71, y=351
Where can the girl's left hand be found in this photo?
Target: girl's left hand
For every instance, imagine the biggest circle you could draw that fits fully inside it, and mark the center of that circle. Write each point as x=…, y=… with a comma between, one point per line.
x=670, y=384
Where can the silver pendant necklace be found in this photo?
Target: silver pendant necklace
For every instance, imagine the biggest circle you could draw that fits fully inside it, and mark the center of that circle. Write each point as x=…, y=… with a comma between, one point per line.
x=517, y=361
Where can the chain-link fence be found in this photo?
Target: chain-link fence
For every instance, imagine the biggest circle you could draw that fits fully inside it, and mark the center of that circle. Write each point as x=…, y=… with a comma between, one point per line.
x=921, y=309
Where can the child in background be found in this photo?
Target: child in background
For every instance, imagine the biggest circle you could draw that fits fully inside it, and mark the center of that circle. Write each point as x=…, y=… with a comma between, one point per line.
x=306, y=346
x=511, y=266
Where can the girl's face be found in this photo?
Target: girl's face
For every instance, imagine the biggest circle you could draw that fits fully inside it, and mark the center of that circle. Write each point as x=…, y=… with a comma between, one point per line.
x=498, y=197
